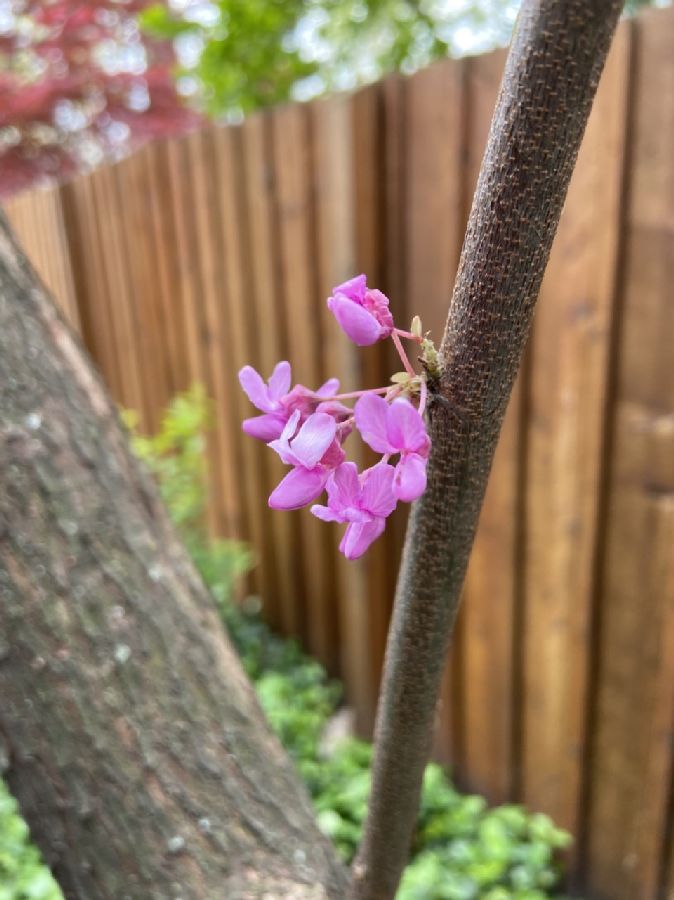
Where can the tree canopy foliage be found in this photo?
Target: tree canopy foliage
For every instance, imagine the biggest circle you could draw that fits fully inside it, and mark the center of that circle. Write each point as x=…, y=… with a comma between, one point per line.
x=79, y=82
x=237, y=55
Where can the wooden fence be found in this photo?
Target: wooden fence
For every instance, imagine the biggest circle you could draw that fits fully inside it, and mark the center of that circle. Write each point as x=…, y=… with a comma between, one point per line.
x=196, y=256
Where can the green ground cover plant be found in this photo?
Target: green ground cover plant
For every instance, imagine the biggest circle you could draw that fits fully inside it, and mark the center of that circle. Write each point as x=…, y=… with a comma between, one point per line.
x=23, y=875
x=462, y=849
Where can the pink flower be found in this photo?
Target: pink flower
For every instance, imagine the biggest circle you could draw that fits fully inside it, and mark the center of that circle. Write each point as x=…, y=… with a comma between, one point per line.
x=342, y=415
x=393, y=428
x=307, y=401
x=362, y=314
x=313, y=452
x=364, y=501
x=277, y=401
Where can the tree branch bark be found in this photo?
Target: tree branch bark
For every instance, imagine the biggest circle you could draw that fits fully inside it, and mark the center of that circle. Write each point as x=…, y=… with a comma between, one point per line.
x=135, y=744
x=553, y=68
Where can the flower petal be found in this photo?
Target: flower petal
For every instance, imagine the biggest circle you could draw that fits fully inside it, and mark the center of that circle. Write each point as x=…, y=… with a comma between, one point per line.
x=326, y=514
x=354, y=288
x=334, y=408
x=406, y=428
x=313, y=439
x=330, y=387
x=290, y=426
x=344, y=488
x=279, y=383
x=358, y=537
x=410, y=477
x=377, y=303
x=371, y=412
x=282, y=445
x=357, y=323
x=299, y=487
x=334, y=456
x=256, y=390
x=299, y=398
x=377, y=495
x=265, y=428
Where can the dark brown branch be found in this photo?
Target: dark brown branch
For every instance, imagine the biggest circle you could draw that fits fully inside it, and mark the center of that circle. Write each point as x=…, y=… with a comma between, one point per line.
x=551, y=76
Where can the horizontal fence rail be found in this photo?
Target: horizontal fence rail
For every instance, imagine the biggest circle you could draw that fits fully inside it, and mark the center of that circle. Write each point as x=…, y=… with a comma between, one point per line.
x=196, y=256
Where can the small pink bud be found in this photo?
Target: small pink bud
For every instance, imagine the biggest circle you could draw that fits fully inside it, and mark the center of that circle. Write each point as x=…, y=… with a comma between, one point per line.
x=362, y=314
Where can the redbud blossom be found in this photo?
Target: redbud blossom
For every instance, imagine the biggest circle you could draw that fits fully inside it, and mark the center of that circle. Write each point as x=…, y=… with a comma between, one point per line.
x=277, y=401
x=392, y=428
x=364, y=501
x=313, y=452
x=362, y=314
x=307, y=428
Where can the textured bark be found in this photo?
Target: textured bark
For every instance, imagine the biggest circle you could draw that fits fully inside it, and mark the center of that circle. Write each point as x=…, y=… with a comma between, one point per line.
x=131, y=738
x=552, y=72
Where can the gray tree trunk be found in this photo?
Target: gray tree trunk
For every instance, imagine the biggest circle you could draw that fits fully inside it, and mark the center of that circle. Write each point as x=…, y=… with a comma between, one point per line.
x=134, y=743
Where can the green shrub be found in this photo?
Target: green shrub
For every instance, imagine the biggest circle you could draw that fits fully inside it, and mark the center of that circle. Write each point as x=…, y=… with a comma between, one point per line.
x=23, y=876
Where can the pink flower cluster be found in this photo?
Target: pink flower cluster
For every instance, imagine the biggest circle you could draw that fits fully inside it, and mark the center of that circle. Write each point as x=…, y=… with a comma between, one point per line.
x=308, y=429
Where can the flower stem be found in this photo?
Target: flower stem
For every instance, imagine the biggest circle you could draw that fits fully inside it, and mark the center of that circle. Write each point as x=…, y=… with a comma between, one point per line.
x=353, y=394
x=402, y=354
x=422, y=396
x=408, y=334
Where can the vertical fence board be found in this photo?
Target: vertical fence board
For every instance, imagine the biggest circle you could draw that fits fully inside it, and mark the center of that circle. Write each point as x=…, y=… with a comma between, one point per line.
x=379, y=152
x=368, y=138
x=37, y=220
x=135, y=191
x=336, y=203
x=217, y=330
x=316, y=616
x=566, y=405
x=166, y=266
x=230, y=256
x=188, y=289
x=186, y=285
x=434, y=216
x=280, y=556
x=124, y=315
x=488, y=610
x=434, y=192
x=386, y=272
x=241, y=350
x=667, y=886
x=632, y=752
x=87, y=251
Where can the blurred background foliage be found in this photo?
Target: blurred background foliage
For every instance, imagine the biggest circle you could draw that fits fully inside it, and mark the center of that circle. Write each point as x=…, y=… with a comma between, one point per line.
x=82, y=83
x=237, y=55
